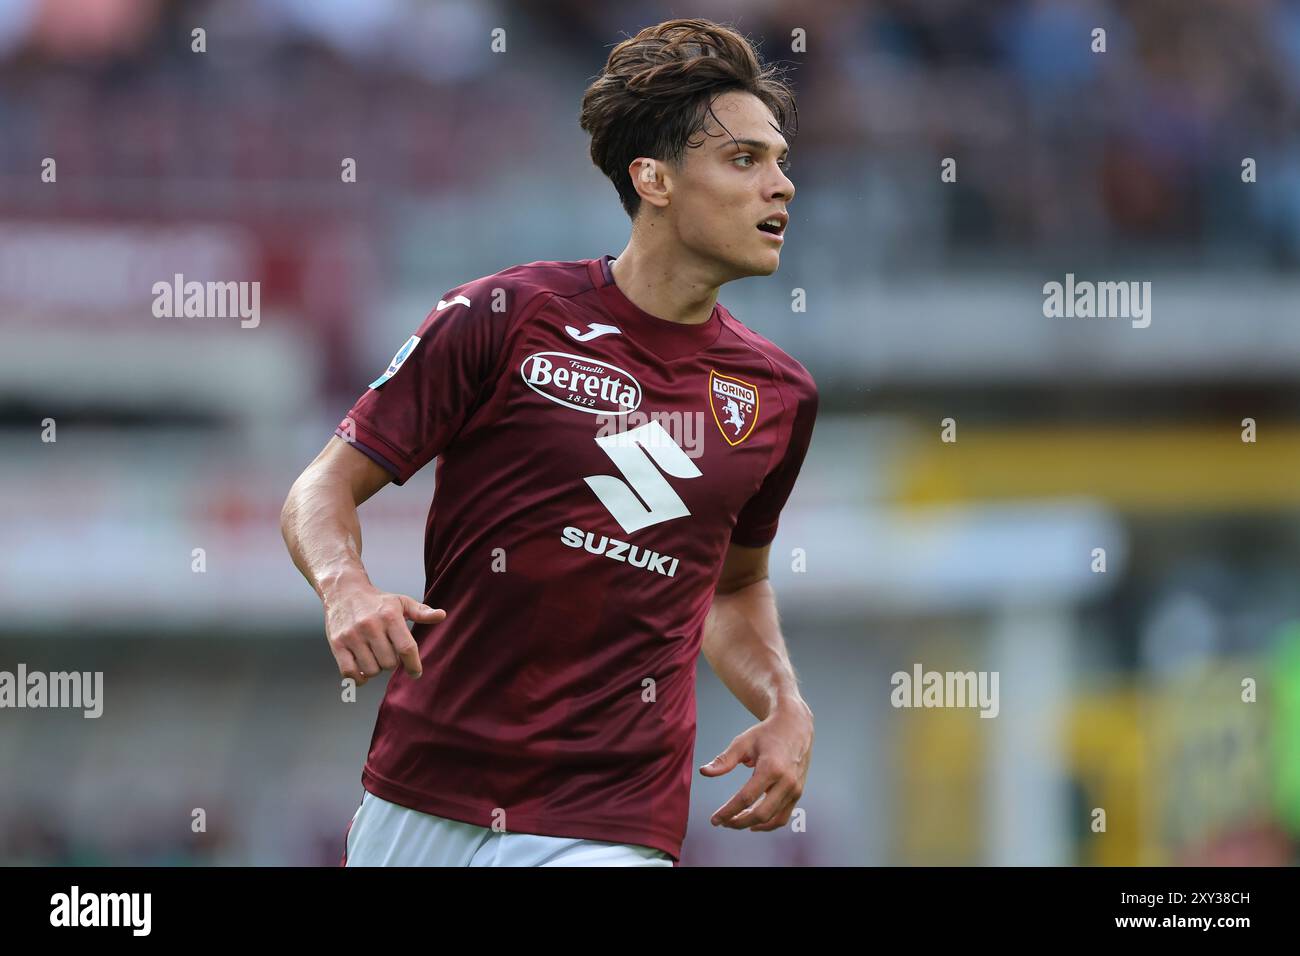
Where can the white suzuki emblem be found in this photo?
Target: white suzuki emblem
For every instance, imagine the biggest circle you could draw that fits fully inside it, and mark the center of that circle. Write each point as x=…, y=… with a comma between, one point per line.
x=642, y=497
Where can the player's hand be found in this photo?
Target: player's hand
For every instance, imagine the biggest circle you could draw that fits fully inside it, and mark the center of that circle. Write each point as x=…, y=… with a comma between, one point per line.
x=367, y=630
x=780, y=751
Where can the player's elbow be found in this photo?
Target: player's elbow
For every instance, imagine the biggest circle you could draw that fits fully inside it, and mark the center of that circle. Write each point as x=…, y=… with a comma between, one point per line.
x=289, y=511
x=296, y=501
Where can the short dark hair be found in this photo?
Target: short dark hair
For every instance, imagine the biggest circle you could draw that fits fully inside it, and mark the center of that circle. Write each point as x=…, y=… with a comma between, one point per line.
x=658, y=87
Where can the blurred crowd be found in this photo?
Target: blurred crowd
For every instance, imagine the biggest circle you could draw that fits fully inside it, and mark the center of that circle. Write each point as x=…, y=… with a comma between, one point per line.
x=1055, y=140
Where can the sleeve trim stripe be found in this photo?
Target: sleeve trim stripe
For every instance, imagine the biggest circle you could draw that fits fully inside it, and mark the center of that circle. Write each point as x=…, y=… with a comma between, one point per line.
x=379, y=460
x=392, y=458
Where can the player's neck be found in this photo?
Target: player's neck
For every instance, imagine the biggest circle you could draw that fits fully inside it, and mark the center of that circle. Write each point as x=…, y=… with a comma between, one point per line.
x=665, y=285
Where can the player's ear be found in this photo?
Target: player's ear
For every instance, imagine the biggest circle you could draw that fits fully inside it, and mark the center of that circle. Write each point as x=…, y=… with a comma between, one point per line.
x=648, y=179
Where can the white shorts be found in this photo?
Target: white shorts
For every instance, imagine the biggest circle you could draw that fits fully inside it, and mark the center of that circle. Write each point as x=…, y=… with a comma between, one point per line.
x=385, y=834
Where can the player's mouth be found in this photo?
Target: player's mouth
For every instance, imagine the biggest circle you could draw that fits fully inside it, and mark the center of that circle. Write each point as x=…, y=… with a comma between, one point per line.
x=773, y=227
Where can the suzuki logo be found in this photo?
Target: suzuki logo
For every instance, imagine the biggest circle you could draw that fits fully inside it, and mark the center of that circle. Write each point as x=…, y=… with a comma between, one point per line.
x=639, y=454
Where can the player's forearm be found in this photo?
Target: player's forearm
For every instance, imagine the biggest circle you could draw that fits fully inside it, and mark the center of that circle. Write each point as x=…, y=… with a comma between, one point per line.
x=743, y=644
x=323, y=533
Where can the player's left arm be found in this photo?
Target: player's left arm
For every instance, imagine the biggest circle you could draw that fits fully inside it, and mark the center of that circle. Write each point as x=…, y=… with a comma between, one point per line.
x=743, y=644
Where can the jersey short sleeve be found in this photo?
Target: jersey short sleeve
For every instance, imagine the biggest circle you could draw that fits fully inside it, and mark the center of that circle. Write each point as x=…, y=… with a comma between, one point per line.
x=757, y=522
x=412, y=412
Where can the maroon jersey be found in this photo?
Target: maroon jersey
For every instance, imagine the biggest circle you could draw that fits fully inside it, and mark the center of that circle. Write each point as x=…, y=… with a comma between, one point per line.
x=594, y=462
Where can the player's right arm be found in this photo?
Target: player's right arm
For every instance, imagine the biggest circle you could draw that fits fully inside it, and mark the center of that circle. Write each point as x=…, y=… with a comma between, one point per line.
x=401, y=422
x=366, y=627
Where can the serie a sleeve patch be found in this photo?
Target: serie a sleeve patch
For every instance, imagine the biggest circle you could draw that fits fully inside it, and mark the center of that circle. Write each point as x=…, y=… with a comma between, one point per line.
x=402, y=354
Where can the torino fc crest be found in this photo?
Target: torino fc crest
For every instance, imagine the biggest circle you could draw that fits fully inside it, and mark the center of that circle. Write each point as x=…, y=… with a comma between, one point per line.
x=735, y=406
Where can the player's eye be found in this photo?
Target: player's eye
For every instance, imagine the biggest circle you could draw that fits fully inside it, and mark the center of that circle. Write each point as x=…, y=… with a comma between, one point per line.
x=744, y=156
x=784, y=163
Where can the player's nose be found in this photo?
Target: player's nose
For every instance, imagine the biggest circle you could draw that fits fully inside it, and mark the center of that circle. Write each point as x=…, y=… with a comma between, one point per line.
x=780, y=188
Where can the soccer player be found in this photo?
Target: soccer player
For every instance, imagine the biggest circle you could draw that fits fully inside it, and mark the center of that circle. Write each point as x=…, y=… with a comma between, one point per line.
x=613, y=450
